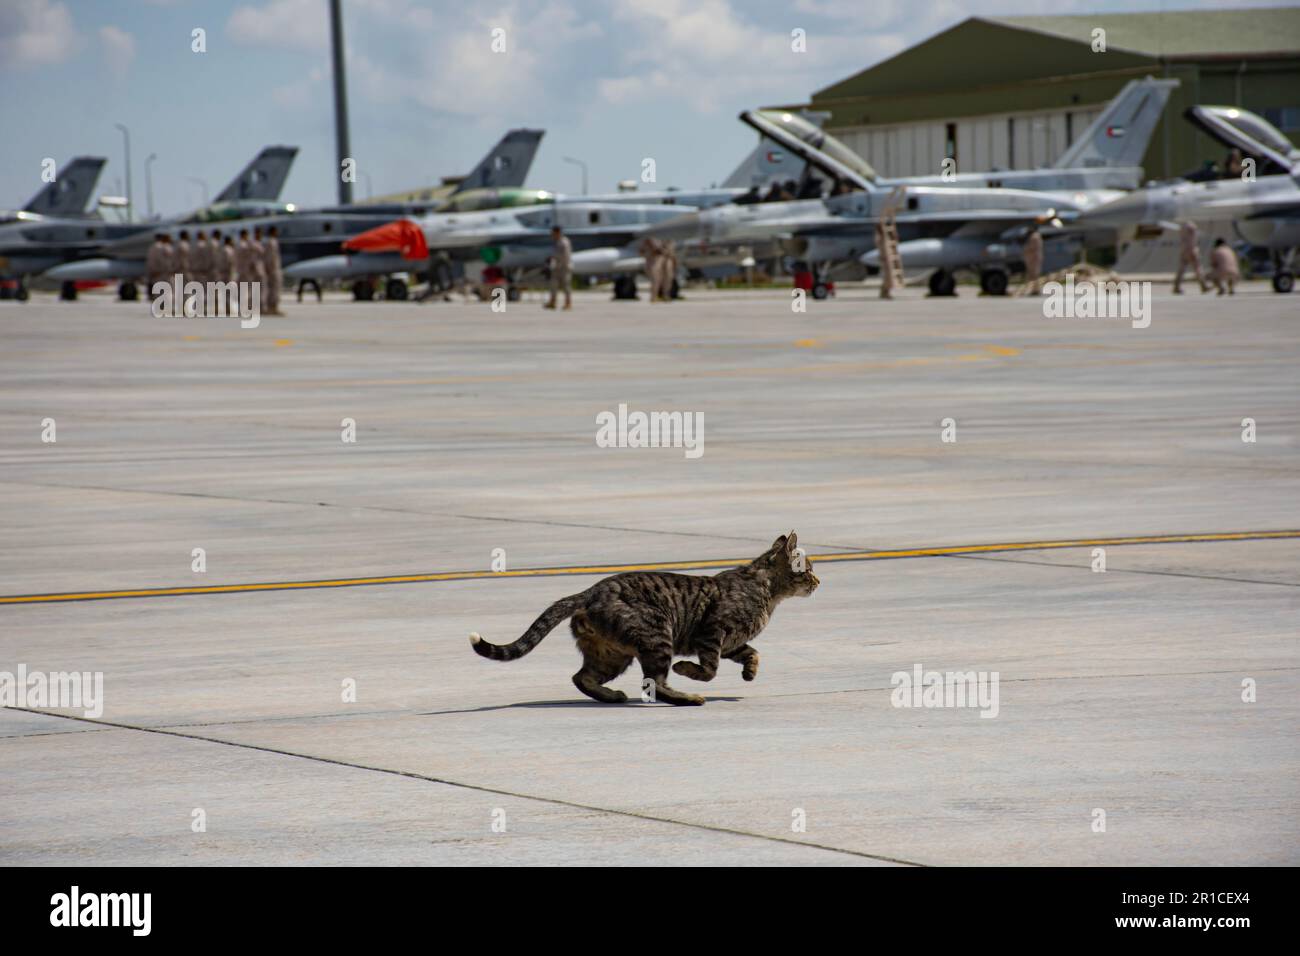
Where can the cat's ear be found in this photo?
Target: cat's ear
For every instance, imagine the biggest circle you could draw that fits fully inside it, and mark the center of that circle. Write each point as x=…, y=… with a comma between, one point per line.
x=778, y=544
x=791, y=542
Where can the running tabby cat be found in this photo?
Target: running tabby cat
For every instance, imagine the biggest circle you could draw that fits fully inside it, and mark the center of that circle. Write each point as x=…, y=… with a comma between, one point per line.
x=652, y=615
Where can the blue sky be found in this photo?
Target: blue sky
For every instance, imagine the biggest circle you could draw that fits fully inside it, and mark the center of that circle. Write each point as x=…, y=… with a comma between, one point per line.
x=612, y=83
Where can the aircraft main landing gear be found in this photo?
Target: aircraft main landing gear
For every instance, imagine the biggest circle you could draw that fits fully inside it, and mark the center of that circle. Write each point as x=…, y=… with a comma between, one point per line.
x=68, y=291
x=1283, y=281
x=395, y=290
x=625, y=287
x=363, y=290
x=942, y=283
x=127, y=292
x=994, y=282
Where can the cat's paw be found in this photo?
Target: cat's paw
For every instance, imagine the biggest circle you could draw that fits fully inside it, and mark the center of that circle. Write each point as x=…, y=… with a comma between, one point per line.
x=749, y=673
x=687, y=669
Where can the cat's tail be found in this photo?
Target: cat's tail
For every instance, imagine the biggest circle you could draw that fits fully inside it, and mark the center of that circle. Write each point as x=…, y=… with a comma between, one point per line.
x=552, y=616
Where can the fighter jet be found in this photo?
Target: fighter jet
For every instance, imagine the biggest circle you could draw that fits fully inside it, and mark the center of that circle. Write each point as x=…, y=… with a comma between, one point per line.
x=601, y=227
x=315, y=232
x=49, y=243
x=947, y=222
x=1264, y=210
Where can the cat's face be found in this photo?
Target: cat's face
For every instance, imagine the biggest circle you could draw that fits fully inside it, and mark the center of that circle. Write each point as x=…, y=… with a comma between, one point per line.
x=793, y=567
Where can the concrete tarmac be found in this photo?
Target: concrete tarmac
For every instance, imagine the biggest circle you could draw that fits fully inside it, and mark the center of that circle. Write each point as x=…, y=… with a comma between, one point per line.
x=1162, y=692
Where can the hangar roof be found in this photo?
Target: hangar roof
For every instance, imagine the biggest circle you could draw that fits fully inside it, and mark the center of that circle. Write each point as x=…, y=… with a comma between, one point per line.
x=1181, y=33
x=990, y=51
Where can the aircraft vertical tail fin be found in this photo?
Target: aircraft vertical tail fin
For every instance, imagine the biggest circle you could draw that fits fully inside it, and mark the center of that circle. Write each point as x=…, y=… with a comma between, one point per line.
x=71, y=189
x=507, y=164
x=766, y=163
x=263, y=178
x=1118, y=137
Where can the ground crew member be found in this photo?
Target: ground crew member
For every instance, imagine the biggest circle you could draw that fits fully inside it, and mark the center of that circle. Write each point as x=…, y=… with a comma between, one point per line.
x=183, y=256
x=886, y=266
x=561, y=268
x=651, y=252
x=1223, y=267
x=271, y=263
x=1032, y=251
x=159, y=262
x=1189, y=254
x=667, y=269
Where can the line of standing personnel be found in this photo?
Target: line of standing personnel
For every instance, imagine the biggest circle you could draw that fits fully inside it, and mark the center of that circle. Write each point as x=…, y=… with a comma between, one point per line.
x=220, y=259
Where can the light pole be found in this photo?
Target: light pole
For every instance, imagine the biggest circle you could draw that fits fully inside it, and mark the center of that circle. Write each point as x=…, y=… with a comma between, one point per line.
x=148, y=182
x=341, y=143
x=578, y=162
x=130, y=207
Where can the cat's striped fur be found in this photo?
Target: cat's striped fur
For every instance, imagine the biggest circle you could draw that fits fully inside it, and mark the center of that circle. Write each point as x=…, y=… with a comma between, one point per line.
x=650, y=616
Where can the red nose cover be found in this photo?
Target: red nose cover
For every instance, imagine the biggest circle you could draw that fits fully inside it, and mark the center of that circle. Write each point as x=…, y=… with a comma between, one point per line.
x=401, y=236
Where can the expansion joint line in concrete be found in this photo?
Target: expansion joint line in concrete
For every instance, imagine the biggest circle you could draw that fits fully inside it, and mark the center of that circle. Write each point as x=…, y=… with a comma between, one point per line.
x=411, y=775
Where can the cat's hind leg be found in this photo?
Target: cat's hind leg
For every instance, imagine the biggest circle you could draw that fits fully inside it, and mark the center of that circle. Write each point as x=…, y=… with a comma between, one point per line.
x=602, y=661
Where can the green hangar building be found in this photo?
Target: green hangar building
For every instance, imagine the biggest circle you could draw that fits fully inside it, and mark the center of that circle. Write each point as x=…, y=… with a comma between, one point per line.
x=1014, y=92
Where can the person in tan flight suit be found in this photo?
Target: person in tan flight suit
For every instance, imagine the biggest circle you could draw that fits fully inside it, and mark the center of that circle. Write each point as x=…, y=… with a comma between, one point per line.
x=561, y=268
x=1189, y=254
x=1224, y=270
x=160, y=262
x=651, y=252
x=259, y=251
x=201, y=258
x=248, y=261
x=183, y=265
x=667, y=269
x=271, y=263
x=223, y=264
x=1032, y=251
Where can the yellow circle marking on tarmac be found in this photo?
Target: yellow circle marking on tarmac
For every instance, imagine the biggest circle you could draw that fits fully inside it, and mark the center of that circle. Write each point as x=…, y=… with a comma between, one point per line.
x=605, y=569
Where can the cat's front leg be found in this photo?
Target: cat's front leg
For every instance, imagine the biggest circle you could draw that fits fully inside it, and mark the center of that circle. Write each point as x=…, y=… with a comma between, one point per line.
x=708, y=646
x=747, y=657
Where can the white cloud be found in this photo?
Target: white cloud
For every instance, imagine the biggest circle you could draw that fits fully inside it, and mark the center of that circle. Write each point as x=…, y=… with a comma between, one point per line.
x=291, y=24
x=703, y=52
x=35, y=33
x=118, y=48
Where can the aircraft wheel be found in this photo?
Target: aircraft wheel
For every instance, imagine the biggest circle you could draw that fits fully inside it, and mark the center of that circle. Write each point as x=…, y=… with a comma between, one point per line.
x=625, y=287
x=943, y=283
x=68, y=291
x=395, y=290
x=994, y=282
x=6, y=292
x=20, y=293
x=1283, y=281
x=512, y=293
x=363, y=291
x=127, y=292
x=819, y=290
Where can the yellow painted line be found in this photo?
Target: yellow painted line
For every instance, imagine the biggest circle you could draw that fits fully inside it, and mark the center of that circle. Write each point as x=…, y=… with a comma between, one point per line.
x=603, y=569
